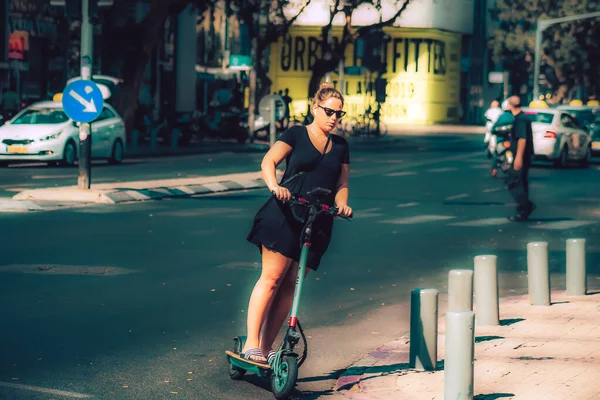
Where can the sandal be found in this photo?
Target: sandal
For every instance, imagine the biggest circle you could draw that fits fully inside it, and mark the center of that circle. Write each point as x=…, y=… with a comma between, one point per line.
x=271, y=356
x=254, y=355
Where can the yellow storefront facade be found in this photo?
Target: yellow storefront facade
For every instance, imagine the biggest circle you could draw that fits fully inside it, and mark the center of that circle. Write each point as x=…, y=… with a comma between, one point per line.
x=423, y=73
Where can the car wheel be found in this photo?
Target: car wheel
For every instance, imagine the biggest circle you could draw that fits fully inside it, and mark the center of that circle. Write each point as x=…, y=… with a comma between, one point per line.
x=116, y=156
x=69, y=154
x=586, y=160
x=563, y=158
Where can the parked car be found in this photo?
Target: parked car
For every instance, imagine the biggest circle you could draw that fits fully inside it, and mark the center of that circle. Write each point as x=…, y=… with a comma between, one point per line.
x=43, y=132
x=558, y=137
x=589, y=118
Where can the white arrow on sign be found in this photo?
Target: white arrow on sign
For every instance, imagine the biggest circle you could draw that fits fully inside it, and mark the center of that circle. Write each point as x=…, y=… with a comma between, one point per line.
x=89, y=105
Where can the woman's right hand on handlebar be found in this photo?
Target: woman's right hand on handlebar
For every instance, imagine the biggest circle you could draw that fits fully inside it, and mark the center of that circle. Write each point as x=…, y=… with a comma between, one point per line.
x=281, y=193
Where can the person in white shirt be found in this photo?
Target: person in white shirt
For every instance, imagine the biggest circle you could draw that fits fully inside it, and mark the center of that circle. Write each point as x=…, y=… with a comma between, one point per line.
x=491, y=116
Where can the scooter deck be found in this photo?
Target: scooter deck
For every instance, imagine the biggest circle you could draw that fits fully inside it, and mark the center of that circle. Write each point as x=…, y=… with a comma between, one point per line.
x=246, y=361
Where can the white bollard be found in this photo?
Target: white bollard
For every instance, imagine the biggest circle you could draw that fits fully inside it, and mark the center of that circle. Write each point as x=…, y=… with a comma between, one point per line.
x=423, y=329
x=486, y=291
x=538, y=277
x=460, y=290
x=459, y=355
x=576, y=269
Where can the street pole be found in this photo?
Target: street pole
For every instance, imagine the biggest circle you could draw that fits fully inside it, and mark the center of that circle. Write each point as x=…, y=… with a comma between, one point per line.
x=542, y=24
x=84, y=179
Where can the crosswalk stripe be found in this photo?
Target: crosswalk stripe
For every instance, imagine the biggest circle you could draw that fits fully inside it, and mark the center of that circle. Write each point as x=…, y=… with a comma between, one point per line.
x=402, y=205
x=458, y=196
x=482, y=222
x=417, y=219
x=560, y=225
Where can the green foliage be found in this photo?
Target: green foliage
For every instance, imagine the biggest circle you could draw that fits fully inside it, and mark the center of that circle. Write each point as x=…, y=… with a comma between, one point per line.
x=570, y=50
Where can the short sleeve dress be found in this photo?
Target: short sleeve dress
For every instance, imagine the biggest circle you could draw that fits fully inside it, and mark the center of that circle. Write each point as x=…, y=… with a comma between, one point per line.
x=274, y=226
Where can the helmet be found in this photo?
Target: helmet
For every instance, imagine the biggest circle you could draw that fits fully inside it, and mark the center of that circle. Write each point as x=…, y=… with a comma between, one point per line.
x=505, y=105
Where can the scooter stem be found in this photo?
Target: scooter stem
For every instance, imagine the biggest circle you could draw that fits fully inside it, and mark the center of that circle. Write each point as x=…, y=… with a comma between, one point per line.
x=299, y=283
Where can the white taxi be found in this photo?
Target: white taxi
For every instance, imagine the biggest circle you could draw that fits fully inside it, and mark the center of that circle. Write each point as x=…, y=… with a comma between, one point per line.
x=43, y=132
x=558, y=137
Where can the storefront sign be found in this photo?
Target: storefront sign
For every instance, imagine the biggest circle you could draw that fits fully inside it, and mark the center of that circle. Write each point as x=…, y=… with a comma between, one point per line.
x=423, y=73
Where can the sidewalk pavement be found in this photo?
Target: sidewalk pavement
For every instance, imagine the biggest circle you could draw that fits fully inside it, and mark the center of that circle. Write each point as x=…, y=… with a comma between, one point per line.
x=123, y=192
x=537, y=352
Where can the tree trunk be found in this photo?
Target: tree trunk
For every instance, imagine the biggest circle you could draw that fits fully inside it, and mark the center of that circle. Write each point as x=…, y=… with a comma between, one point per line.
x=136, y=62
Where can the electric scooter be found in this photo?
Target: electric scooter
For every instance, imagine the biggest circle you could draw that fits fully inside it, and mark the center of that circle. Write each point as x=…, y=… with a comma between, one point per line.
x=283, y=371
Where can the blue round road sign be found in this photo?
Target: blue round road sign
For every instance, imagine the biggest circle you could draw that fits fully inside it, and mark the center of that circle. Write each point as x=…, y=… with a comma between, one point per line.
x=82, y=101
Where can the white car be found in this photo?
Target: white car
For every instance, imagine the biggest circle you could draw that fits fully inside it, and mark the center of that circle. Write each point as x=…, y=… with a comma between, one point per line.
x=558, y=137
x=43, y=132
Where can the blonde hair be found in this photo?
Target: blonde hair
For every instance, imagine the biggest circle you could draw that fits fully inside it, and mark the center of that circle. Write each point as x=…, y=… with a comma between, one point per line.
x=327, y=91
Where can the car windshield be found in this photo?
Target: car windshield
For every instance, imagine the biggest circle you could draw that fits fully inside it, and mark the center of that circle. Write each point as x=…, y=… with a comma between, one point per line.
x=544, y=118
x=584, y=117
x=38, y=116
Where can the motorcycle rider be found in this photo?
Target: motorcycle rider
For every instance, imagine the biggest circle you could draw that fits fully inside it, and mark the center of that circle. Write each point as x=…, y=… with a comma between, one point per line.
x=502, y=117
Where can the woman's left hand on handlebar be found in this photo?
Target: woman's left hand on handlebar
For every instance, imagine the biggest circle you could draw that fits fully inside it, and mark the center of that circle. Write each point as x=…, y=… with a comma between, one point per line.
x=344, y=210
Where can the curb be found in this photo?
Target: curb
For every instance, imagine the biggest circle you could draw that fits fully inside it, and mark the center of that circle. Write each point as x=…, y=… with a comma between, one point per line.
x=123, y=196
x=9, y=205
x=126, y=192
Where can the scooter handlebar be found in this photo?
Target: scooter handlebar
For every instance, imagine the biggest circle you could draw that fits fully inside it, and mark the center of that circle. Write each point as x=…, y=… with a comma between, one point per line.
x=321, y=208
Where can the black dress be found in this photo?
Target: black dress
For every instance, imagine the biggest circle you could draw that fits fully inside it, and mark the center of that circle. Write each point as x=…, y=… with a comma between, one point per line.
x=274, y=226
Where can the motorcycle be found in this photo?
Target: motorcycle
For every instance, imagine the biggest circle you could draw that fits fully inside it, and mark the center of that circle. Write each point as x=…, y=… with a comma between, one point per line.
x=501, y=146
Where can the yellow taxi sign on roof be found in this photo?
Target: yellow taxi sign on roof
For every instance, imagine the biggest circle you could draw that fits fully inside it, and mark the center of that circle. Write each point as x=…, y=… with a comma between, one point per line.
x=538, y=104
x=593, y=103
x=57, y=97
x=576, y=103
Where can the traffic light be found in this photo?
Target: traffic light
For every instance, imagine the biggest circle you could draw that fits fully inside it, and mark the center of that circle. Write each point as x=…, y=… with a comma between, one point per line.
x=373, y=51
x=93, y=11
x=380, y=87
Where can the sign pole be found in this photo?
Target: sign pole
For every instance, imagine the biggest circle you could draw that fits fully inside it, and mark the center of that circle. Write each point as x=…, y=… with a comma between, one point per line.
x=84, y=179
x=272, y=122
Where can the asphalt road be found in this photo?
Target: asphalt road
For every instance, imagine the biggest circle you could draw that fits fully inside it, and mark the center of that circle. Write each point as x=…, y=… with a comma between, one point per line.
x=140, y=301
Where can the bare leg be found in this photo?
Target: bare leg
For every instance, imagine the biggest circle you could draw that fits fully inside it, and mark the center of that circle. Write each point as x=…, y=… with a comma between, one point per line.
x=280, y=309
x=274, y=268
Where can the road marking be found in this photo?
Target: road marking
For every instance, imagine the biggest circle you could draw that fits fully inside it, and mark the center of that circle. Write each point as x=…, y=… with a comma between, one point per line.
x=482, y=222
x=479, y=166
x=561, y=225
x=403, y=173
x=458, y=196
x=492, y=190
x=446, y=169
x=377, y=171
x=46, y=390
x=417, y=219
x=368, y=213
x=407, y=204
x=53, y=176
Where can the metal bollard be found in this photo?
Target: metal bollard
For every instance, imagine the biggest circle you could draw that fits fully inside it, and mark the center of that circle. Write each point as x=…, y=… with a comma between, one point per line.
x=576, y=269
x=423, y=329
x=459, y=355
x=486, y=291
x=538, y=278
x=460, y=290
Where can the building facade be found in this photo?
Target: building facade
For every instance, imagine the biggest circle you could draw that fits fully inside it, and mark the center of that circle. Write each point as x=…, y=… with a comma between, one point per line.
x=424, y=55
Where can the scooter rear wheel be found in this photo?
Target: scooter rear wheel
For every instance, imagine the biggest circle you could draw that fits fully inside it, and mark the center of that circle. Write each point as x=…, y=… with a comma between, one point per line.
x=284, y=377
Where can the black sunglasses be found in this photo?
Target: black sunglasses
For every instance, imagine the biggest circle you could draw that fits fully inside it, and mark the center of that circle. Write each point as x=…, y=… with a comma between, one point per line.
x=329, y=112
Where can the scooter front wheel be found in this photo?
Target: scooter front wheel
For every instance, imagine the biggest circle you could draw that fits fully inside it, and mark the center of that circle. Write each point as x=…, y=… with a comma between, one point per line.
x=284, y=376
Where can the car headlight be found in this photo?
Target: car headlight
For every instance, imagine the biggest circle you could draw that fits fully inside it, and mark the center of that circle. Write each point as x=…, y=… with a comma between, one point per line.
x=51, y=137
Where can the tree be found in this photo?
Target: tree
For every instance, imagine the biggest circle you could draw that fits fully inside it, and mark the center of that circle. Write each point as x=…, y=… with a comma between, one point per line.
x=137, y=43
x=334, y=52
x=278, y=24
x=570, y=52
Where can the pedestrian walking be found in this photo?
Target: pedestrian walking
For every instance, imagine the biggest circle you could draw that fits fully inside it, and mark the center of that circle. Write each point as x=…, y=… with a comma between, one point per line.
x=521, y=144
